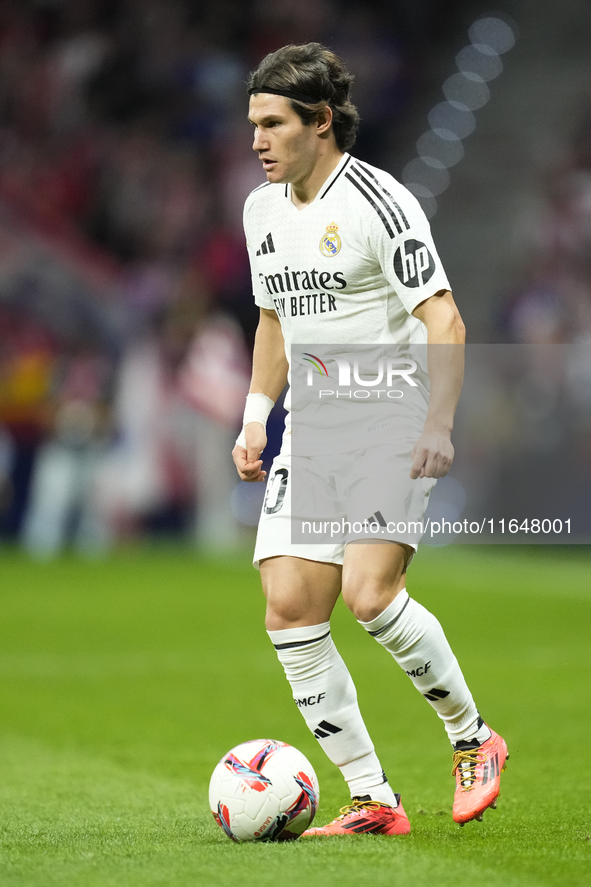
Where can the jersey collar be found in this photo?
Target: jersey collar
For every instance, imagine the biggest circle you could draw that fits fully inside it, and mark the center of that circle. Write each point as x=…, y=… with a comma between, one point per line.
x=342, y=165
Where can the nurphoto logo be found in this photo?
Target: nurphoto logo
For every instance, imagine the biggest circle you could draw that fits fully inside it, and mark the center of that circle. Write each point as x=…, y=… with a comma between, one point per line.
x=389, y=372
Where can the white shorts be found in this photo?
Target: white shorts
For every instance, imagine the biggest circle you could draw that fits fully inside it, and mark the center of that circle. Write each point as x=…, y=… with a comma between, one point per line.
x=315, y=505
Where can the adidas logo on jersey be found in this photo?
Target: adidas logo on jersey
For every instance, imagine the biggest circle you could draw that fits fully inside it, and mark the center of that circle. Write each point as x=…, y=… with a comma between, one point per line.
x=267, y=246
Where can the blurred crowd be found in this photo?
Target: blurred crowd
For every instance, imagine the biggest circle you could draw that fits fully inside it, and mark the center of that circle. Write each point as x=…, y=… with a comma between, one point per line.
x=126, y=314
x=552, y=301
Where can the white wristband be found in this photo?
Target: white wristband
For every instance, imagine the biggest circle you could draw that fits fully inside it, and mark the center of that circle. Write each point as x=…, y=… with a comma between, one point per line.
x=257, y=409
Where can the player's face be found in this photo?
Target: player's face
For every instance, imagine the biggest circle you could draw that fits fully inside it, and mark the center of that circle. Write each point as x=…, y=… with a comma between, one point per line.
x=287, y=148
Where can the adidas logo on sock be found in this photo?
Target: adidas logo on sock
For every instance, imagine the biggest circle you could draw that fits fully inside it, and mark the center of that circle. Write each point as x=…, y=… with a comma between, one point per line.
x=324, y=729
x=435, y=695
x=267, y=246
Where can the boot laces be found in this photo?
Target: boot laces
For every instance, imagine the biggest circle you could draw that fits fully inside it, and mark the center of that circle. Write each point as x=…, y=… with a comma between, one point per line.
x=358, y=806
x=466, y=762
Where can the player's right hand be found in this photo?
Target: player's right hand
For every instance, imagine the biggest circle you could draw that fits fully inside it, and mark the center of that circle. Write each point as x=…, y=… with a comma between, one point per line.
x=247, y=461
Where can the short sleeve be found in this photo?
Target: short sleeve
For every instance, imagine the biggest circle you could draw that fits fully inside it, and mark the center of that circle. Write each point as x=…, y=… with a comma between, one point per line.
x=261, y=297
x=401, y=239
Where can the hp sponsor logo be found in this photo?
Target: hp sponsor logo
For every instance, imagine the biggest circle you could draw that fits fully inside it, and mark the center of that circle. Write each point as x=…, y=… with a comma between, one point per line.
x=413, y=263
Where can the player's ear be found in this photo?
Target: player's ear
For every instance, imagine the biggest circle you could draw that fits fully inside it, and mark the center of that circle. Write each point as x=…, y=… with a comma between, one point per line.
x=324, y=120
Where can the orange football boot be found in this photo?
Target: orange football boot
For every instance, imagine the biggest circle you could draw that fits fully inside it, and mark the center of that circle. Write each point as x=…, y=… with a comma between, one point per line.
x=366, y=817
x=478, y=777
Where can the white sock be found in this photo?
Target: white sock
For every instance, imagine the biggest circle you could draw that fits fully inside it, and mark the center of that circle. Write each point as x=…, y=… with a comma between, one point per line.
x=416, y=640
x=324, y=692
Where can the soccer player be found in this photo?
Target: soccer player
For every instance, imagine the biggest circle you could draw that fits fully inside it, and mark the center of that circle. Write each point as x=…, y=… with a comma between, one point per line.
x=340, y=252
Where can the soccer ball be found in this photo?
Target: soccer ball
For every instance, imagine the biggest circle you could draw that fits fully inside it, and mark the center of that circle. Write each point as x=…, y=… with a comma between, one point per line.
x=263, y=790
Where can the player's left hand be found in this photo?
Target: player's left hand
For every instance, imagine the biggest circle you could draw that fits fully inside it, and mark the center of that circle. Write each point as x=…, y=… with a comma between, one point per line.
x=432, y=455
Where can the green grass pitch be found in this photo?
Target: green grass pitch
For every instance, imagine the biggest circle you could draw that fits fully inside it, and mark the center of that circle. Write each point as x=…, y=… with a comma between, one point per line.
x=123, y=682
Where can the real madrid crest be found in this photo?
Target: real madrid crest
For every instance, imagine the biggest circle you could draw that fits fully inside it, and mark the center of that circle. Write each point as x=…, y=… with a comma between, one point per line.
x=330, y=244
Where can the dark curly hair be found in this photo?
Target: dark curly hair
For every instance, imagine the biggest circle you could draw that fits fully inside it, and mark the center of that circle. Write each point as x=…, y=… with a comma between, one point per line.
x=311, y=69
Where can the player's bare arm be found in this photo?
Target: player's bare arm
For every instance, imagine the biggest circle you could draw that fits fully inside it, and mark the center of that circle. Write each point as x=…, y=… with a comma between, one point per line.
x=269, y=376
x=433, y=453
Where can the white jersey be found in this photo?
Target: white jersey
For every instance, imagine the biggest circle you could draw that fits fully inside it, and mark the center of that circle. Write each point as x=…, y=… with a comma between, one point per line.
x=350, y=267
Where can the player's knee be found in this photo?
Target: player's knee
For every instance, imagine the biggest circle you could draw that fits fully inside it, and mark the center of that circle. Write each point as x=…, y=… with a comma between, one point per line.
x=283, y=612
x=367, y=608
x=367, y=599
x=285, y=607
x=363, y=601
